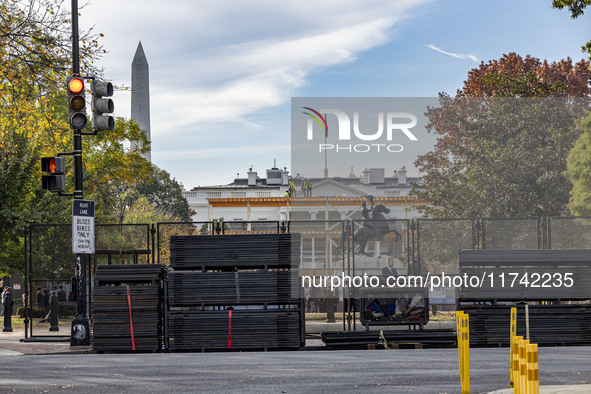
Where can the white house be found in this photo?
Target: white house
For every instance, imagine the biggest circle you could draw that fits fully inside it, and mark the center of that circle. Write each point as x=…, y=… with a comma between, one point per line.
x=263, y=199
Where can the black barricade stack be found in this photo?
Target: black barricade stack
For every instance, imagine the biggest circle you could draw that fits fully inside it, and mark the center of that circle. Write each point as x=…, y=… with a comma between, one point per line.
x=235, y=292
x=128, y=308
x=554, y=283
x=558, y=324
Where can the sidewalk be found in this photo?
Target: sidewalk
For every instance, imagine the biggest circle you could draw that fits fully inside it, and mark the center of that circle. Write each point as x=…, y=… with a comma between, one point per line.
x=575, y=389
x=11, y=344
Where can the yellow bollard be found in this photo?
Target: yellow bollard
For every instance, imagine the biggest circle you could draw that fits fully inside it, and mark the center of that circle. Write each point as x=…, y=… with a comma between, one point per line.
x=536, y=370
x=515, y=364
x=518, y=389
x=459, y=333
x=533, y=374
x=466, y=347
x=513, y=333
x=463, y=338
x=523, y=366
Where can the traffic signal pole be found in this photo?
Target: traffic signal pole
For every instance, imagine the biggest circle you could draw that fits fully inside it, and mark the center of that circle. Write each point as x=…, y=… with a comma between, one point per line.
x=80, y=333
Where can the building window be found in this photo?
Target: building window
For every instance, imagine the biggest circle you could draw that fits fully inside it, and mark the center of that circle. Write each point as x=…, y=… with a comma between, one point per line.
x=238, y=194
x=262, y=194
x=262, y=219
x=214, y=194
x=391, y=193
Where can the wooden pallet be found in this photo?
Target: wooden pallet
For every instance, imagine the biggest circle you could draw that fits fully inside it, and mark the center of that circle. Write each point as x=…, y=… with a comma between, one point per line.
x=402, y=345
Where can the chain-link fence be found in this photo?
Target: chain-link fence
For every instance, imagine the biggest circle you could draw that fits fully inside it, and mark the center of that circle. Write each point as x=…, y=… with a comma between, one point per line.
x=328, y=247
x=568, y=232
x=437, y=242
x=511, y=233
x=50, y=262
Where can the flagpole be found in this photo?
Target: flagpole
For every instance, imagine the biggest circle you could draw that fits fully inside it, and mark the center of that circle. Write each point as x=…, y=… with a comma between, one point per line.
x=325, y=150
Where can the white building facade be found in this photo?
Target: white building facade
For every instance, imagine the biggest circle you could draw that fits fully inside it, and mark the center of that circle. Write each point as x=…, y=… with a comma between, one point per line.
x=263, y=199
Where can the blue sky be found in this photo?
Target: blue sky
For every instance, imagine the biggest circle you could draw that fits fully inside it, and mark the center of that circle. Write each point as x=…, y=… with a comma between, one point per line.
x=222, y=74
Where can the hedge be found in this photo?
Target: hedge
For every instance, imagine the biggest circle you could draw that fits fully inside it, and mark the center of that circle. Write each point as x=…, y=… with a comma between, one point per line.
x=63, y=310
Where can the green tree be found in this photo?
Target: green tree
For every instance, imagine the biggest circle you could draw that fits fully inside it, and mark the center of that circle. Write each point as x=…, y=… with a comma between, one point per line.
x=502, y=145
x=166, y=194
x=143, y=211
x=576, y=8
x=35, y=60
x=162, y=192
x=110, y=168
x=579, y=171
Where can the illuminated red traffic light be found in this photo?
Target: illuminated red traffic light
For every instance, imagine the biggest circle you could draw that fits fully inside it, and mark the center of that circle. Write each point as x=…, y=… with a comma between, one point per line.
x=76, y=85
x=76, y=103
x=54, y=178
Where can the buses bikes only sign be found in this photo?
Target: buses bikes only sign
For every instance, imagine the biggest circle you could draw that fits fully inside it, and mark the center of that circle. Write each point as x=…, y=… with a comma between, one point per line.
x=83, y=227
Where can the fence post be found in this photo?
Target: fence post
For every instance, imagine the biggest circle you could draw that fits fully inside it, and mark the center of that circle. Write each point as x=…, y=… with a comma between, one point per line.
x=153, y=233
x=53, y=315
x=8, y=304
x=26, y=281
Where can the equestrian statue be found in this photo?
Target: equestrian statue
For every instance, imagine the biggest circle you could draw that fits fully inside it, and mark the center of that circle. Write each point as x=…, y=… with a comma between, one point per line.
x=374, y=227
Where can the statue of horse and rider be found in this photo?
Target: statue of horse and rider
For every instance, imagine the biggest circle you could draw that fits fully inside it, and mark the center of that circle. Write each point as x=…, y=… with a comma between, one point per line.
x=374, y=227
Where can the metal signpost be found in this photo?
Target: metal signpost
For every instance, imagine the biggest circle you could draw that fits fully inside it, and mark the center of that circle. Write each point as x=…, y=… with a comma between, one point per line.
x=80, y=333
x=82, y=244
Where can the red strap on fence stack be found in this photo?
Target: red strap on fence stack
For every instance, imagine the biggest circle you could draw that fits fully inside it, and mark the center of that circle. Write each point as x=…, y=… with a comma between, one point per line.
x=130, y=320
x=230, y=329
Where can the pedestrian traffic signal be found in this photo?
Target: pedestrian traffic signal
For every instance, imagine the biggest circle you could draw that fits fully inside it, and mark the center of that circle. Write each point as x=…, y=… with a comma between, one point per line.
x=76, y=103
x=55, y=181
x=101, y=106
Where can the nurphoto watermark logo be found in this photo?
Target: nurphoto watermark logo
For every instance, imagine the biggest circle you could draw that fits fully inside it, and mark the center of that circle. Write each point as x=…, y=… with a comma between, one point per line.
x=389, y=126
x=335, y=136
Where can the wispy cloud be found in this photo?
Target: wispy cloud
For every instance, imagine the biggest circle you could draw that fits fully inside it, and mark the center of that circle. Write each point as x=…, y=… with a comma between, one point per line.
x=452, y=54
x=214, y=62
x=249, y=151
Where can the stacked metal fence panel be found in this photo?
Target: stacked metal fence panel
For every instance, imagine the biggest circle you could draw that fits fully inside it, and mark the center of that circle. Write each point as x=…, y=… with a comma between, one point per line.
x=229, y=287
x=554, y=283
x=526, y=275
x=361, y=339
x=234, y=292
x=250, y=329
x=112, y=327
x=561, y=324
x=249, y=251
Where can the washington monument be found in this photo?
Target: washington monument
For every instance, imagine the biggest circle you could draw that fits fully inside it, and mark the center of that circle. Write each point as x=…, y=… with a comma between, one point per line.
x=140, y=93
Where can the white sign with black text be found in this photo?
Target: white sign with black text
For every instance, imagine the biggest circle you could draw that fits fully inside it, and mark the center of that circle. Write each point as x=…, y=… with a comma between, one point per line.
x=83, y=227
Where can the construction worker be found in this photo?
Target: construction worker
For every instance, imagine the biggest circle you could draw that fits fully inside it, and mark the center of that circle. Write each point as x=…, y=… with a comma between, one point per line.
x=304, y=188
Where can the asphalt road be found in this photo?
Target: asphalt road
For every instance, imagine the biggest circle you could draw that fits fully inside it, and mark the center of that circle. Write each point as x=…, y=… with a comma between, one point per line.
x=363, y=371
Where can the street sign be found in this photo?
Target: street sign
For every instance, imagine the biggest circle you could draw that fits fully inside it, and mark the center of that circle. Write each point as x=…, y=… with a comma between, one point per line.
x=83, y=227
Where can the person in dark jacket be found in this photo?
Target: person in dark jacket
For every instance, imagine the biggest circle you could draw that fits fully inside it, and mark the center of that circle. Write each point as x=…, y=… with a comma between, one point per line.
x=61, y=294
x=389, y=269
x=40, y=298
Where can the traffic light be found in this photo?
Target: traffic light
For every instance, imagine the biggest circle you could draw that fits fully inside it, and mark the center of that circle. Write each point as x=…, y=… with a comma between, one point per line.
x=77, y=103
x=102, y=107
x=55, y=181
